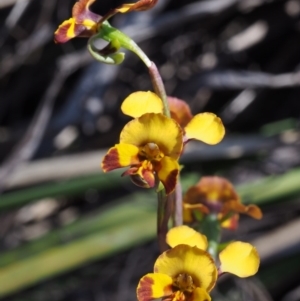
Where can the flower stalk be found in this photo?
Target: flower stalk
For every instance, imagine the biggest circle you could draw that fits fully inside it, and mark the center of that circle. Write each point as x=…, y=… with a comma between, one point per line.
x=178, y=218
x=159, y=88
x=110, y=33
x=210, y=226
x=150, y=147
x=164, y=211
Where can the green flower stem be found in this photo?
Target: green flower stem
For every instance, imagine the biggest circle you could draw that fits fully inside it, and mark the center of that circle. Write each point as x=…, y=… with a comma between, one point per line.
x=116, y=37
x=164, y=210
x=109, y=33
x=116, y=40
x=210, y=227
x=114, y=58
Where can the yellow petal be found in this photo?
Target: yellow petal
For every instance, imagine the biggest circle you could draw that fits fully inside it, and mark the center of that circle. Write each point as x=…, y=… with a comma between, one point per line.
x=206, y=127
x=167, y=171
x=199, y=294
x=189, y=260
x=239, y=258
x=154, y=128
x=65, y=31
x=187, y=236
x=154, y=286
x=121, y=155
x=139, y=103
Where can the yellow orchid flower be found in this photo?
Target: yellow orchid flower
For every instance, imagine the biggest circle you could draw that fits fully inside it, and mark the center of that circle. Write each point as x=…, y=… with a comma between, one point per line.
x=206, y=127
x=85, y=23
x=187, y=272
x=217, y=195
x=238, y=258
x=156, y=145
x=150, y=145
x=181, y=273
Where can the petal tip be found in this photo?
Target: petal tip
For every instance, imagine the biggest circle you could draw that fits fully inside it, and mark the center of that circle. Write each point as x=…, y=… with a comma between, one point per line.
x=240, y=258
x=206, y=127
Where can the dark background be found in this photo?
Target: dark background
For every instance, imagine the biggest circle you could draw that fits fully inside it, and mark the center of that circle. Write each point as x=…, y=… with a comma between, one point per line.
x=236, y=58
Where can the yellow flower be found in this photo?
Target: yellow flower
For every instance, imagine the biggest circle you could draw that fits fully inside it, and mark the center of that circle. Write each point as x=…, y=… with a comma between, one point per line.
x=206, y=127
x=238, y=258
x=150, y=145
x=85, y=23
x=217, y=195
x=187, y=272
x=154, y=147
x=181, y=273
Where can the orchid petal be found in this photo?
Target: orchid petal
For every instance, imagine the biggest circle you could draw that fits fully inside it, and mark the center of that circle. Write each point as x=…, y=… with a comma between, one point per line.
x=168, y=173
x=121, y=155
x=187, y=236
x=153, y=286
x=191, y=261
x=139, y=103
x=206, y=127
x=157, y=129
x=239, y=258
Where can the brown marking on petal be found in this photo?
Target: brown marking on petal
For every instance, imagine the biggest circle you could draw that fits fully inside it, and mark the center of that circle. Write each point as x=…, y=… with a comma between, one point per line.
x=81, y=12
x=143, y=5
x=131, y=171
x=144, y=289
x=128, y=7
x=180, y=111
x=65, y=31
x=144, y=180
x=111, y=160
x=60, y=35
x=171, y=181
x=86, y=33
x=142, y=175
x=139, y=181
x=149, y=177
x=69, y=30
